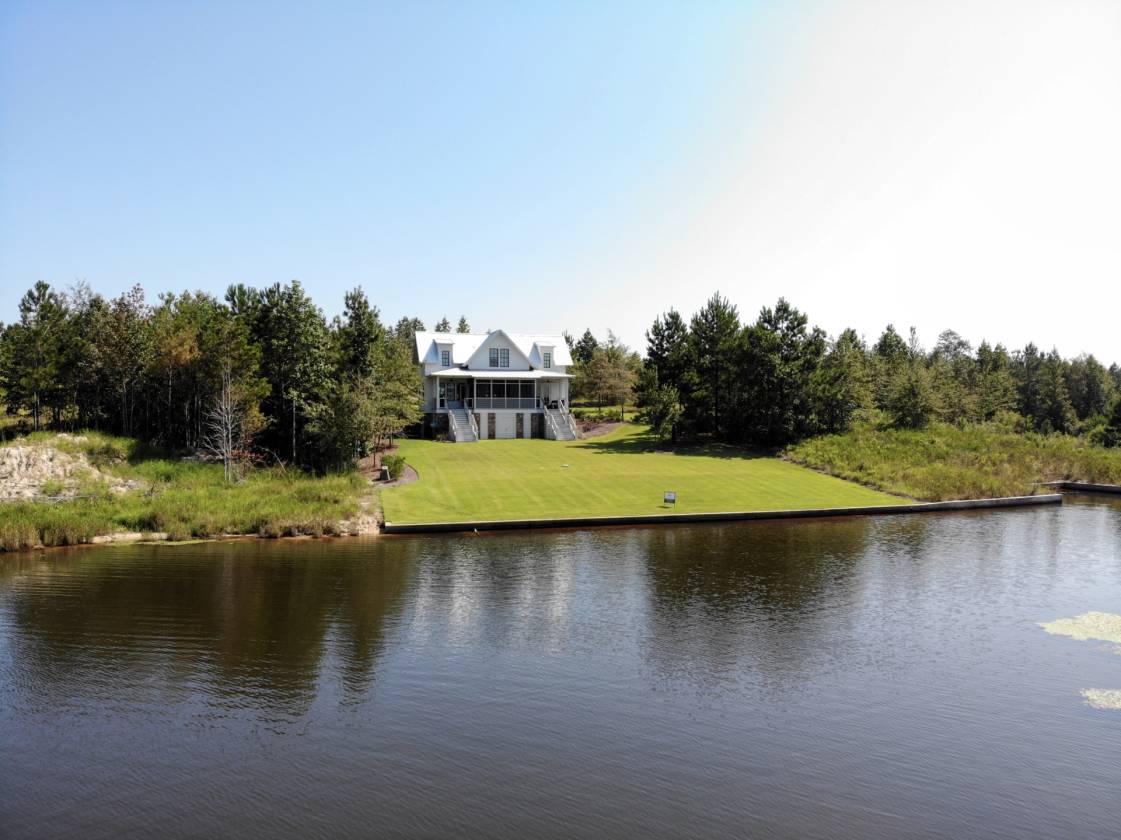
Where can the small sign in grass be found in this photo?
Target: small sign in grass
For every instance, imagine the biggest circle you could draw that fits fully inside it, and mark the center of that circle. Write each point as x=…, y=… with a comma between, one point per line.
x=621, y=473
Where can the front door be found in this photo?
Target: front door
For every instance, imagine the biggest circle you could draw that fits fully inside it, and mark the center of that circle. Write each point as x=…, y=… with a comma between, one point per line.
x=544, y=391
x=461, y=393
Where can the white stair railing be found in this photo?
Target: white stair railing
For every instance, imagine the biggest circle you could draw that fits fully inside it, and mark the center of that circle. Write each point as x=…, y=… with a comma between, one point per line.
x=474, y=425
x=572, y=425
x=552, y=423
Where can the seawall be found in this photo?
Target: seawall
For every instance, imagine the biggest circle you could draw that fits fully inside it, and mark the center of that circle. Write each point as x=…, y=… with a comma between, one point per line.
x=722, y=516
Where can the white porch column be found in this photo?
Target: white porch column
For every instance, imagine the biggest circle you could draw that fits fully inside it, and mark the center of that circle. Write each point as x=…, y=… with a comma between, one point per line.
x=437, y=406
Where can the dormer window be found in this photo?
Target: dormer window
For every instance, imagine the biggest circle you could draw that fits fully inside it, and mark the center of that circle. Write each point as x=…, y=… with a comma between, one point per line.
x=445, y=358
x=503, y=357
x=547, y=357
x=494, y=357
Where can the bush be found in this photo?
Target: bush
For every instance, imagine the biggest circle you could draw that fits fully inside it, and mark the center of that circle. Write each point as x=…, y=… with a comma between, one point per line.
x=395, y=464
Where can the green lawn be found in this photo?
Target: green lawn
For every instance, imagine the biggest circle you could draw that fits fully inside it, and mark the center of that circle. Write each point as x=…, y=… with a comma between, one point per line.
x=613, y=475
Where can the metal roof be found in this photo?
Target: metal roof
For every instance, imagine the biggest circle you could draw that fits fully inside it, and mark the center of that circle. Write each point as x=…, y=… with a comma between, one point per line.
x=464, y=373
x=464, y=346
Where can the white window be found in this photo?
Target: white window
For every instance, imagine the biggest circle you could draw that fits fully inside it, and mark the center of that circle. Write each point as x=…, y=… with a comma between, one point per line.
x=445, y=358
x=548, y=359
x=494, y=357
x=503, y=357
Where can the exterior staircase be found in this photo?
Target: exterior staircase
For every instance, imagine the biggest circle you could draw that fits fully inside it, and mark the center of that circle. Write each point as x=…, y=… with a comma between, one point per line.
x=559, y=424
x=461, y=426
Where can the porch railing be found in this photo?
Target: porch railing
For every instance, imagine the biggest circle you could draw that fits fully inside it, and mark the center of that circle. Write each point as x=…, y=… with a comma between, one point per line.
x=505, y=402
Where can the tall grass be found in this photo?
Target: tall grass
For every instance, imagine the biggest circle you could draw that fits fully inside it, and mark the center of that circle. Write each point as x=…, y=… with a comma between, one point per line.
x=182, y=499
x=951, y=462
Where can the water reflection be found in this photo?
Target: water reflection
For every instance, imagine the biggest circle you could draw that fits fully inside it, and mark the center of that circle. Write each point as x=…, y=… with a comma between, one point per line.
x=728, y=599
x=252, y=625
x=853, y=678
x=246, y=624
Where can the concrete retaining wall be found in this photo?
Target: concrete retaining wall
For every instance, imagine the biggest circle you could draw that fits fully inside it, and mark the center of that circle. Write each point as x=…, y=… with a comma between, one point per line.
x=730, y=516
x=1085, y=486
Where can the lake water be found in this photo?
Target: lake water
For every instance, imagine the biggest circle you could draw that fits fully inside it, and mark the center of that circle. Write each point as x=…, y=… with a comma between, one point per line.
x=854, y=678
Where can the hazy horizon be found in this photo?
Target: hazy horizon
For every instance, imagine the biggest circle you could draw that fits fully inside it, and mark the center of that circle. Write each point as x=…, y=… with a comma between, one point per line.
x=942, y=166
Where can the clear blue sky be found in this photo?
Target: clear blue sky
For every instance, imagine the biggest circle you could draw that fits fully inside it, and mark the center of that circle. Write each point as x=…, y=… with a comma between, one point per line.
x=542, y=167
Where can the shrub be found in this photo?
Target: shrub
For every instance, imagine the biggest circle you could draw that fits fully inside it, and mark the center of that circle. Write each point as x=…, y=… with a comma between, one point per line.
x=395, y=464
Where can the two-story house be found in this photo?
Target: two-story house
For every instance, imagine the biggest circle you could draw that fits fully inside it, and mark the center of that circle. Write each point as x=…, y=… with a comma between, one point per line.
x=495, y=385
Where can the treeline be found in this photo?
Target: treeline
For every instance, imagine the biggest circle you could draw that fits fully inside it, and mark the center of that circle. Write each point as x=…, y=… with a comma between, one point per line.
x=604, y=372
x=260, y=375
x=778, y=379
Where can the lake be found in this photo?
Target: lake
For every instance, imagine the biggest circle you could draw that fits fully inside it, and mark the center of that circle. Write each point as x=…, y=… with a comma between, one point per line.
x=855, y=678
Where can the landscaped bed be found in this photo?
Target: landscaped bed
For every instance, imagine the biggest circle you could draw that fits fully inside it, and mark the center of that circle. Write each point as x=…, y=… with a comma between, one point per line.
x=622, y=473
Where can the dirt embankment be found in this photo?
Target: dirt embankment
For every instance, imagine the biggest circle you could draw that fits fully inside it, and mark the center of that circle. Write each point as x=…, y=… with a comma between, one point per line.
x=30, y=472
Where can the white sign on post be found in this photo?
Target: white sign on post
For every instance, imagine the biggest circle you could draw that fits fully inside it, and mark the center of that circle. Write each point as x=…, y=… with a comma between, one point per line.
x=670, y=498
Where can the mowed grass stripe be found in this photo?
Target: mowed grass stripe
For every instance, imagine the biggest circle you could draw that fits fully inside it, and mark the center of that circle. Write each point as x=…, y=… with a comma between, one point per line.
x=618, y=474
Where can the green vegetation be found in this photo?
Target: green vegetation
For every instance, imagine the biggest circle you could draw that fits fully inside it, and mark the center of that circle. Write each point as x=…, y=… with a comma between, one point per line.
x=621, y=473
x=259, y=374
x=944, y=461
x=779, y=380
x=183, y=499
x=605, y=414
x=394, y=464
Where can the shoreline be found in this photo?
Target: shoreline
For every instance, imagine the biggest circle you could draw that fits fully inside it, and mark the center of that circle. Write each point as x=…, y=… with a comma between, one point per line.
x=373, y=528
x=581, y=522
x=391, y=528
x=1084, y=487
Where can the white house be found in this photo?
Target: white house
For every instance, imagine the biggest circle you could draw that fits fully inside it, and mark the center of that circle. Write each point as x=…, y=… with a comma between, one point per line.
x=496, y=385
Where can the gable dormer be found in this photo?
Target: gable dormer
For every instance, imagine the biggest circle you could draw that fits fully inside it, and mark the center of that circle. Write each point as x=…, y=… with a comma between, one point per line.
x=498, y=353
x=445, y=354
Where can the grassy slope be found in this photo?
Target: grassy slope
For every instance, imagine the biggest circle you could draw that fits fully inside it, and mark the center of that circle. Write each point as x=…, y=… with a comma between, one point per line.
x=615, y=474
x=182, y=498
x=948, y=462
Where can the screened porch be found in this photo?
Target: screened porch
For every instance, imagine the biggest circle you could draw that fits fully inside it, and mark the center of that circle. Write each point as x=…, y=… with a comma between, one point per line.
x=488, y=393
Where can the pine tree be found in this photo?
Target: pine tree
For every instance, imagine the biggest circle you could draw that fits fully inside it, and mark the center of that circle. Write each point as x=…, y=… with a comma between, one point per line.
x=842, y=385
x=778, y=361
x=585, y=348
x=36, y=346
x=358, y=335
x=713, y=341
x=1111, y=435
x=398, y=391
x=912, y=401
x=667, y=349
x=407, y=328
x=996, y=387
x=292, y=335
